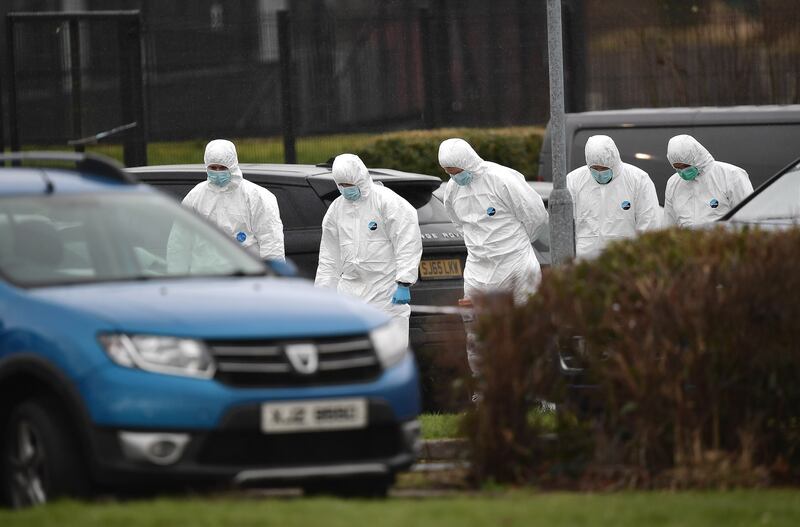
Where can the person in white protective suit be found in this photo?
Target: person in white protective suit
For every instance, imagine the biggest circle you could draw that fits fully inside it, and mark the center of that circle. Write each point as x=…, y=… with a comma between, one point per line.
x=500, y=215
x=245, y=211
x=371, y=243
x=702, y=190
x=612, y=200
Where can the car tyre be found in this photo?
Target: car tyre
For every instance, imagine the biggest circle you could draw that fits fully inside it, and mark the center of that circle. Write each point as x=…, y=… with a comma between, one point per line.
x=40, y=457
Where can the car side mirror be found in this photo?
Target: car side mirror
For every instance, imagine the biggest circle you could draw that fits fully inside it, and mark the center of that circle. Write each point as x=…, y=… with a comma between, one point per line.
x=285, y=268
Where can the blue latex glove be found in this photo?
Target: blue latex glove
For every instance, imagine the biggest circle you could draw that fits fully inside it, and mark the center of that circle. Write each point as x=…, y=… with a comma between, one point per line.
x=402, y=295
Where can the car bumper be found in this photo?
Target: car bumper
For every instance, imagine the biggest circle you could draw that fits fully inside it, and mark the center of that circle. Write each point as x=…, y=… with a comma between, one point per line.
x=239, y=452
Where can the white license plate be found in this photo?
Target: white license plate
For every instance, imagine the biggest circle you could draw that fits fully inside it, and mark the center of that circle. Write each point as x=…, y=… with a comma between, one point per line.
x=310, y=416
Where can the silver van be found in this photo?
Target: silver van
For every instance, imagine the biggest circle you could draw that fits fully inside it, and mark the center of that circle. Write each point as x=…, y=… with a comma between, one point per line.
x=760, y=139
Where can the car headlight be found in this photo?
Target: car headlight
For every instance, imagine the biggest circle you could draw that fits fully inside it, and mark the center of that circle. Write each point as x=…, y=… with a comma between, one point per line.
x=390, y=342
x=170, y=355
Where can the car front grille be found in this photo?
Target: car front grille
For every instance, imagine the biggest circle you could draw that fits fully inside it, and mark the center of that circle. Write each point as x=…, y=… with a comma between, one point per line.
x=266, y=363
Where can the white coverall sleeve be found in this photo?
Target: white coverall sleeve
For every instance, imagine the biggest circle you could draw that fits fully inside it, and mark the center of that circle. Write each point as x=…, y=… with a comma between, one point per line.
x=527, y=205
x=647, y=209
x=180, y=243
x=448, y=205
x=571, y=177
x=403, y=227
x=669, y=219
x=329, y=270
x=265, y=217
x=741, y=187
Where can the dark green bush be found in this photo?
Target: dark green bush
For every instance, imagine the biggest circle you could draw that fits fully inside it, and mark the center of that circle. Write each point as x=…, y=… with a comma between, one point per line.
x=417, y=151
x=693, y=348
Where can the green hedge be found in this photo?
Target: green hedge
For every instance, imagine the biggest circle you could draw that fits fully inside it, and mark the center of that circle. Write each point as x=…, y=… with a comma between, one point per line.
x=417, y=151
x=692, y=346
x=412, y=151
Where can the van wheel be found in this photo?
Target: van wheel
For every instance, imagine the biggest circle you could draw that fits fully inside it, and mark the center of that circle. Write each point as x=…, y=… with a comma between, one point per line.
x=375, y=487
x=40, y=459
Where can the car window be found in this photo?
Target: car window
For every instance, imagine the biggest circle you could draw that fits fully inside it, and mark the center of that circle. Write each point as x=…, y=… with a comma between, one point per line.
x=300, y=207
x=429, y=208
x=779, y=202
x=307, y=204
x=178, y=190
x=46, y=240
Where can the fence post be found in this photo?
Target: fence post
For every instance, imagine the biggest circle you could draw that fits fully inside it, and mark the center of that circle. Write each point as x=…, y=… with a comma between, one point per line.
x=132, y=91
x=441, y=73
x=11, y=75
x=428, y=117
x=2, y=122
x=287, y=91
x=75, y=80
x=575, y=56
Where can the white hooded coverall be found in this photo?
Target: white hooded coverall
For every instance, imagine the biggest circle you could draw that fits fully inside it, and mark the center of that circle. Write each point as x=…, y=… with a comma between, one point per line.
x=717, y=189
x=500, y=216
x=370, y=244
x=245, y=211
x=623, y=207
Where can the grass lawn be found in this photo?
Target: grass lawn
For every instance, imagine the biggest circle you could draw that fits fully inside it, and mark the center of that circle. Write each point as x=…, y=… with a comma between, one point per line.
x=712, y=509
x=310, y=150
x=440, y=426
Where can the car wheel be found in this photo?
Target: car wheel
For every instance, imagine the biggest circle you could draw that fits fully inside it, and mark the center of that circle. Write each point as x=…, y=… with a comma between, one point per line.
x=375, y=487
x=40, y=459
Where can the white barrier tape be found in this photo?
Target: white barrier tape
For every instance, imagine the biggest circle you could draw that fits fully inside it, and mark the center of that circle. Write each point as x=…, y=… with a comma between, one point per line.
x=440, y=310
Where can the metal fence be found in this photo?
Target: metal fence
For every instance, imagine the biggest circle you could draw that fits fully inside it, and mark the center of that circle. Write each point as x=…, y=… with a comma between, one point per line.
x=214, y=69
x=712, y=53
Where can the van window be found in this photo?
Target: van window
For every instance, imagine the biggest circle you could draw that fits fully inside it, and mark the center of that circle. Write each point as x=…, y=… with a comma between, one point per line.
x=645, y=148
x=760, y=149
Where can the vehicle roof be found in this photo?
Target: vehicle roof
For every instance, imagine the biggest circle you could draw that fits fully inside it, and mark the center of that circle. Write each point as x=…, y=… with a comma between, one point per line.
x=703, y=115
x=16, y=181
x=290, y=170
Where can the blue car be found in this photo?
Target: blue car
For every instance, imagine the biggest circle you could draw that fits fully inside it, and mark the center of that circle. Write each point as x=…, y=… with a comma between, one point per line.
x=119, y=370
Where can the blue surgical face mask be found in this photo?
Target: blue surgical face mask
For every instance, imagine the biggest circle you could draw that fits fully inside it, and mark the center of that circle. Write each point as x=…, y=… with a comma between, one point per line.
x=463, y=178
x=219, y=178
x=350, y=193
x=602, y=177
x=688, y=173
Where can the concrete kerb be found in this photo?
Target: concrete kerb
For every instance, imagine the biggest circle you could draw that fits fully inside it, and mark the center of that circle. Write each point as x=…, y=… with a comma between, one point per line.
x=443, y=450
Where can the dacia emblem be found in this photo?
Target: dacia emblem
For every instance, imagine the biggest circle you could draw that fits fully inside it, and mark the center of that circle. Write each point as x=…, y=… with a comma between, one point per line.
x=304, y=358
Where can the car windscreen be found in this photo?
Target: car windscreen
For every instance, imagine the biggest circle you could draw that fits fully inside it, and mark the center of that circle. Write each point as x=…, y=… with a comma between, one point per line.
x=65, y=239
x=777, y=203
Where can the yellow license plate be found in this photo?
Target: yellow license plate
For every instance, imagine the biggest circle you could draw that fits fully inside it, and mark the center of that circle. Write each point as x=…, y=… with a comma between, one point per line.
x=440, y=269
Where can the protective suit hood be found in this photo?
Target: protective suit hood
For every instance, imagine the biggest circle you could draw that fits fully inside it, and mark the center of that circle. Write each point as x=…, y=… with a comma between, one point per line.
x=601, y=150
x=458, y=153
x=223, y=152
x=686, y=149
x=348, y=168
x=710, y=196
x=243, y=210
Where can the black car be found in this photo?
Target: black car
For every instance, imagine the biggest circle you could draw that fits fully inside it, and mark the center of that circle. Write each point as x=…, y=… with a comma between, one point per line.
x=304, y=193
